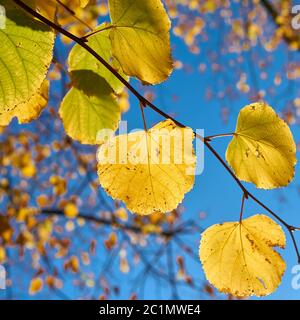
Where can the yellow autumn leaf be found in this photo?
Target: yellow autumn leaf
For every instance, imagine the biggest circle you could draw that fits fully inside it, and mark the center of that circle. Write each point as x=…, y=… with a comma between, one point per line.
x=83, y=3
x=45, y=8
x=112, y=241
x=72, y=264
x=48, y=8
x=35, y=286
x=262, y=150
x=150, y=171
x=30, y=110
x=239, y=259
x=71, y=210
x=29, y=170
x=2, y=254
x=121, y=213
x=140, y=39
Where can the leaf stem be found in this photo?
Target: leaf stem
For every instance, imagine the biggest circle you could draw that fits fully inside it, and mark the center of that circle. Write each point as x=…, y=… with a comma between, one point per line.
x=242, y=207
x=145, y=102
x=142, y=106
x=221, y=135
x=97, y=31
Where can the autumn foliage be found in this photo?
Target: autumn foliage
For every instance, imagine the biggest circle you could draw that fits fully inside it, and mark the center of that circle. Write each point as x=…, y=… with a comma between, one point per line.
x=238, y=258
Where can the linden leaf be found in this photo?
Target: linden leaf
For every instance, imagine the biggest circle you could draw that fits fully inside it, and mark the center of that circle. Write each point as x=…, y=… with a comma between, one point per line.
x=25, y=55
x=238, y=258
x=30, y=110
x=80, y=59
x=89, y=107
x=71, y=210
x=140, y=39
x=262, y=150
x=150, y=171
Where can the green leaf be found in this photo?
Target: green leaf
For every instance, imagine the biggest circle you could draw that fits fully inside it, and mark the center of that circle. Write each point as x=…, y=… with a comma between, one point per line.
x=80, y=59
x=89, y=107
x=141, y=40
x=25, y=55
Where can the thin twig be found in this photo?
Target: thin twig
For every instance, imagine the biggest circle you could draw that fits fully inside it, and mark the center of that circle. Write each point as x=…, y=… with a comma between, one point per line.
x=73, y=14
x=97, y=31
x=242, y=207
x=221, y=135
x=167, y=233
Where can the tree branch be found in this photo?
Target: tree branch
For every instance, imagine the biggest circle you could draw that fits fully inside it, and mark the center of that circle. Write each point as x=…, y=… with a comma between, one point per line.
x=167, y=233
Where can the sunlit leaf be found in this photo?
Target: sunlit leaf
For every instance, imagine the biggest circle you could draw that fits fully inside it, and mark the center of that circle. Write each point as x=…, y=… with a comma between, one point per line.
x=238, y=258
x=89, y=107
x=25, y=55
x=30, y=110
x=45, y=8
x=140, y=39
x=262, y=150
x=149, y=171
x=83, y=3
x=81, y=59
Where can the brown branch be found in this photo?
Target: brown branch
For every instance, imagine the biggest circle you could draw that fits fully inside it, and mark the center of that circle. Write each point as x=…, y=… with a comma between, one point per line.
x=146, y=102
x=167, y=233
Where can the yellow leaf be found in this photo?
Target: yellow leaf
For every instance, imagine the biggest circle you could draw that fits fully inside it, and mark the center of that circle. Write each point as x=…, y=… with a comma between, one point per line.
x=150, y=171
x=72, y=264
x=71, y=210
x=30, y=110
x=59, y=185
x=48, y=8
x=83, y=3
x=262, y=150
x=36, y=285
x=2, y=254
x=140, y=39
x=29, y=170
x=238, y=258
x=121, y=213
x=45, y=8
x=112, y=241
x=43, y=200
